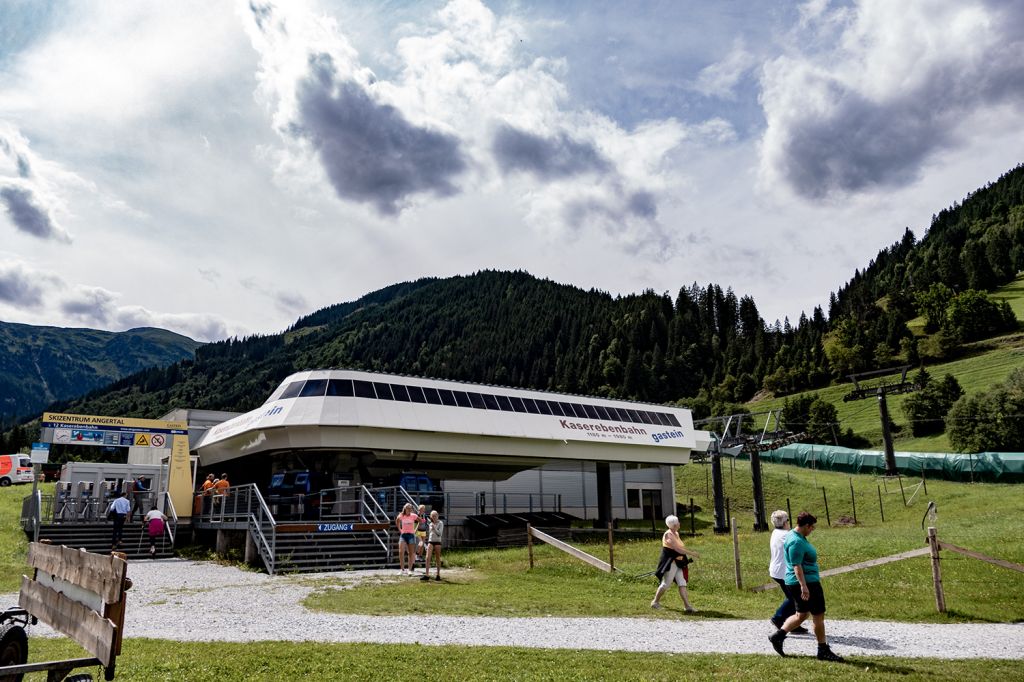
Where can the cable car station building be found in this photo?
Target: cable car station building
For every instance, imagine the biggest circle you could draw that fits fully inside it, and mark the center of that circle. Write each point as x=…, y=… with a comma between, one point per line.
x=470, y=450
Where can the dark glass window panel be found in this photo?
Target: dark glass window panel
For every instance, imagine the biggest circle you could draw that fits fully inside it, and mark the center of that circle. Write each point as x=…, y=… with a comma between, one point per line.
x=517, y=404
x=416, y=394
x=662, y=418
x=543, y=406
x=617, y=414
x=400, y=392
x=433, y=397
x=632, y=497
x=556, y=408
x=645, y=417
x=462, y=399
x=590, y=411
x=477, y=401
x=531, y=406
x=673, y=420
x=363, y=389
x=314, y=388
x=567, y=409
x=504, y=403
x=383, y=391
x=603, y=412
x=291, y=390
x=447, y=397
x=634, y=417
x=340, y=387
x=490, y=401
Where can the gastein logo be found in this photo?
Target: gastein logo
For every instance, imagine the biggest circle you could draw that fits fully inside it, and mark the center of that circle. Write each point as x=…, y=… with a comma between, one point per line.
x=658, y=437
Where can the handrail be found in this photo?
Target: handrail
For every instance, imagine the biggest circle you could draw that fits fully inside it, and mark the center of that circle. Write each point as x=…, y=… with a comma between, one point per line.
x=172, y=526
x=262, y=517
x=381, y=517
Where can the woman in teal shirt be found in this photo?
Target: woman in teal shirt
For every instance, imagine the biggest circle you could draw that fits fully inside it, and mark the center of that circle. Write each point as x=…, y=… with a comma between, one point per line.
x=803, y=585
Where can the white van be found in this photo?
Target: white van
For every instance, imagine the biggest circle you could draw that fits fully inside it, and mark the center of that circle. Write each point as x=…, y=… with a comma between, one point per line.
x=15, y=469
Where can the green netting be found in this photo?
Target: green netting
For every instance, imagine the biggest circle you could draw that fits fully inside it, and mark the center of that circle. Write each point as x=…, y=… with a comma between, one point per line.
x=1004, y=467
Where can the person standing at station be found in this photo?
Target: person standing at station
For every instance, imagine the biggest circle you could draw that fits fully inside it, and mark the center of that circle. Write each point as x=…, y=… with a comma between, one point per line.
x=777, y=569
x=803, y=585
x=117, y=511
x=140, y=496
x=434, y=539
x=672, y=564
x=220, y=490
x=422, y=527
x=406, y=525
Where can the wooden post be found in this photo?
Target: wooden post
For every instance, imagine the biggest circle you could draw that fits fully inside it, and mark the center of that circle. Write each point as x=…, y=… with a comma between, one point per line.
x=611, y=544
x=789, y=510
x=529, y=544
x=902, y=492
x=853, y=501
x=924, y=482
x=693, y=528
x=933, y=544
x=970, y=458
x=736, y=554
x=728, y=513
x=825, y=497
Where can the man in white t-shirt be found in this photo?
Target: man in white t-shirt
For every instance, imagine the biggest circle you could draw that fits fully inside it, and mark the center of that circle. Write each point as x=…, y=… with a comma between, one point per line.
x=777, y=568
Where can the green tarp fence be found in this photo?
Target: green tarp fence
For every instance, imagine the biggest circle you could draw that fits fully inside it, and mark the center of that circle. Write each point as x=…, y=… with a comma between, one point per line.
x=1002, y=467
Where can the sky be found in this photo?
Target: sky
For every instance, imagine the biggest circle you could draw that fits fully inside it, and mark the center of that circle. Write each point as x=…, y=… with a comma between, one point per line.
x=221, y=169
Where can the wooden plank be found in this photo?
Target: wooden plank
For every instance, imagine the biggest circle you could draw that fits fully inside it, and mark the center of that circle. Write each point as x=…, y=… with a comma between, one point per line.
x=569, y=549
x=856, y=567
x=97, y=573
x=72, y=591
x=982, y=557
x=95, y=633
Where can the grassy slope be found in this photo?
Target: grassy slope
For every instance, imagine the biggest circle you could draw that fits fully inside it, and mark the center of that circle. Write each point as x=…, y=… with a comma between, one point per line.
x=994, y=361
x=979, y=517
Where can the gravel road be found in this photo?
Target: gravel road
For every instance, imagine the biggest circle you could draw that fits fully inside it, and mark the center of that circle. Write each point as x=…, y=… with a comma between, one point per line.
x=197, y=601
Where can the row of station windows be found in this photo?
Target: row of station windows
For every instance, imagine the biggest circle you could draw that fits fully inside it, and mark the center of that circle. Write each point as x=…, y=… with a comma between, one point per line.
x=349, y=388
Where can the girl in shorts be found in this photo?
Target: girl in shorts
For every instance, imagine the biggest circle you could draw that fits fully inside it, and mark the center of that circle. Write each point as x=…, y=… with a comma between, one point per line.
x=422, y=524
x=434, y=538
x=406, y=525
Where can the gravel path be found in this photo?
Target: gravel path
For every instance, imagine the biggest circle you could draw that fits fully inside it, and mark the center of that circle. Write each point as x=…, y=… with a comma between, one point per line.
x=191, y=601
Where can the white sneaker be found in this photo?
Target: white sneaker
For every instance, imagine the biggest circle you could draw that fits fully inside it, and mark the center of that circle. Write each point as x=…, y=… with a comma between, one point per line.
x=655, y=605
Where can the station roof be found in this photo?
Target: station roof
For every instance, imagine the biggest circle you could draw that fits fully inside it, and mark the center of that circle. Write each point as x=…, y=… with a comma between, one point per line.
x=366, y=411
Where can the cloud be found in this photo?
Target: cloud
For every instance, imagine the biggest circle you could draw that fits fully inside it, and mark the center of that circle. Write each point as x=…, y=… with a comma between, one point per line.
x=24, y=193
x=97, y=307
x=19, y=286
x=901, y=86
x=369, y=149
x=721, y=78
x=288, y=302
x=557, y=156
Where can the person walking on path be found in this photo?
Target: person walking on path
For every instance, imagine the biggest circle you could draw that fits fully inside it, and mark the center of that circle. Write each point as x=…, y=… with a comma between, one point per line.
x=406, y=525
x=435, y=536
x=118, y=511
x=803, y=585
x=672, y=564
x=777, y=570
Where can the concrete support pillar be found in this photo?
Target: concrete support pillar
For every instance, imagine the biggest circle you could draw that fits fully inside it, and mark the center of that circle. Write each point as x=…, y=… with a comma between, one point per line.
x=223, y=543
x=252, y=554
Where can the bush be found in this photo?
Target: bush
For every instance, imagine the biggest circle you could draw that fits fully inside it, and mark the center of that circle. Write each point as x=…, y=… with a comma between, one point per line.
x=926, y=410
x=990, y=420
x=971, y=315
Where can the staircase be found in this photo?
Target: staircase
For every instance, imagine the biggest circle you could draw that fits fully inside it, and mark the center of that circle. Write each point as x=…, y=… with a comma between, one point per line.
x=319, y=552
x=95, y=537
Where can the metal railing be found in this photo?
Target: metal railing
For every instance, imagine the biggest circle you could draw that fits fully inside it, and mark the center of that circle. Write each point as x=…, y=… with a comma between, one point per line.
x=172, y=517
x=241, y=506
x=471, y=504
x=374, y=513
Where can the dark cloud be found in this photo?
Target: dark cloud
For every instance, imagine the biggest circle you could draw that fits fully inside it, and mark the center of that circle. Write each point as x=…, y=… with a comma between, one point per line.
x=18, y=288
x=632, y=220
x=643, y=205
x=26, y=213
x=866, y=142
x=93, y=306
x=548, y=158
x=290, y=302
x=370, y=152
x=262, y=12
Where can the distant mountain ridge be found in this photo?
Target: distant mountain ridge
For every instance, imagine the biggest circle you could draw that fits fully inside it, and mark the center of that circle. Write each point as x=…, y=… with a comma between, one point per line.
x=40, y=365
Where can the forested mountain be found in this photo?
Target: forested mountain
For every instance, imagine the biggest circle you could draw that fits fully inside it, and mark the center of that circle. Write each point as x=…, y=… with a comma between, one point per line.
x=700, y=343
x=494, y=327
x=39, y=365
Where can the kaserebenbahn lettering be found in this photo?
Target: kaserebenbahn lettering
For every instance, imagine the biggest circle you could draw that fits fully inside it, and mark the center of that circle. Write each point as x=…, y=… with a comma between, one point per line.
x=583, y=426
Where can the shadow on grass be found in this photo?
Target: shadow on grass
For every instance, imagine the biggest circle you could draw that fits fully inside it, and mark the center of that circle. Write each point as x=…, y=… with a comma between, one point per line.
x=971, y=617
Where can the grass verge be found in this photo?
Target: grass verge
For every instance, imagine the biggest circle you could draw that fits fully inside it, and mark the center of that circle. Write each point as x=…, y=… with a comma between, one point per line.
x=155, y=660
